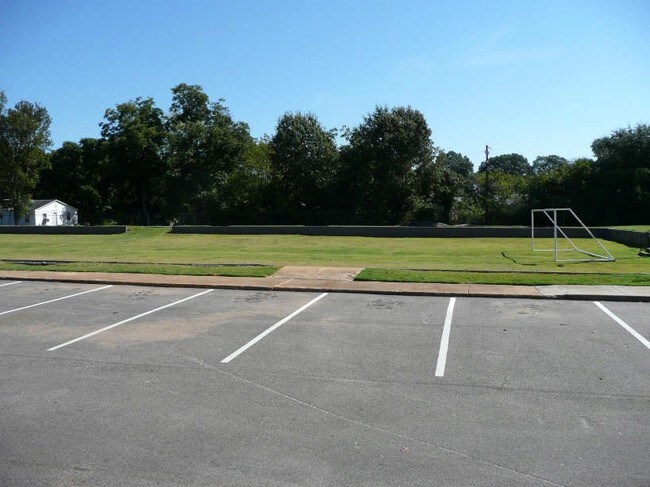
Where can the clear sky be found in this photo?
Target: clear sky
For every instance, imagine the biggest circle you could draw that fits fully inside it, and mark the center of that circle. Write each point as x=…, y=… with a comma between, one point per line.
x=533, y=77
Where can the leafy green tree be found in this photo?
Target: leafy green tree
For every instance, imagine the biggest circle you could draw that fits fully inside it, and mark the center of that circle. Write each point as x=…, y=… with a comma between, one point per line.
x=190, y=104
x=574, y=185
x=548, y=182
x=465, y=206
x=502, y=179
x=544, y=164
x=205, y=146
x=187, y=129
x=507, y=196
x=447, y=189
x=583, y=193
x=24, y=138
x=459, y=164
x=440, y=186
x=305, y=161
x=548, y=188
x=134, y=133
x=623, y=165
x=515, y=164
x=248, y=185
x=75, y=176
x=386, y=154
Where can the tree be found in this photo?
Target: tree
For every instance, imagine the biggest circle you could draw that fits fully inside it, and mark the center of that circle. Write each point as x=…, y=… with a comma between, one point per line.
x=507, y=197
x=248, y=186
x=190, y=104
x=548, y=188
x=439, y=186
x=134, y=134
x=465, y=206
x=386, y=153
x=75, y=176
x=544, y=164
x=304, y=159
x=623, y=164
x=503, y=183
x=24, y=138
x=514, y=164
x=205, y=145
x=447, y=189
x=583, y=193
x=459, y=164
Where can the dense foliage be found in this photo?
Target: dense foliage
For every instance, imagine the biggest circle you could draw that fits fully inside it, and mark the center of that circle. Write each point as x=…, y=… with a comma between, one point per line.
x=24, y=137
x=195, y=164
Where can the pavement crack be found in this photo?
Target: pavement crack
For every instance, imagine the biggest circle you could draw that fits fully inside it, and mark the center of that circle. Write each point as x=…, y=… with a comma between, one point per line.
x=501, y=387
x=362, y=424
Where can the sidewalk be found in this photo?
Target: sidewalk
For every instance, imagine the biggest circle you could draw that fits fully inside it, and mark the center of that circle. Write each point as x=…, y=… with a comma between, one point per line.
x=323, y=279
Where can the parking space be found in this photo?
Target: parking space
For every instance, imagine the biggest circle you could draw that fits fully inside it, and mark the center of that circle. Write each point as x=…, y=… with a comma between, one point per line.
x=634, y=315
x=568, y=346
x=17, y=296
x=87, y=308
x=356, y=337
x=335, y=389
x=204, y=329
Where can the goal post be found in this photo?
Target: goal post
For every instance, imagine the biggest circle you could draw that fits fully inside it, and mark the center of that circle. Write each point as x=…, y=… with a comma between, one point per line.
x=560, y=235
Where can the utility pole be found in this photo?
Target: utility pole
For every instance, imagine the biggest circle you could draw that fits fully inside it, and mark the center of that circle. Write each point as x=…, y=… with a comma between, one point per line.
x=487, y=183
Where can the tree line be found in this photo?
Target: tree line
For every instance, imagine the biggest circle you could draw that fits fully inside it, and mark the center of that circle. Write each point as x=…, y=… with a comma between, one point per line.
x=195, y=164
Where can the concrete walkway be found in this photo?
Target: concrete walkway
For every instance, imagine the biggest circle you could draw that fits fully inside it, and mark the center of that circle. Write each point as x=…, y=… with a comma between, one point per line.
x=324, y=279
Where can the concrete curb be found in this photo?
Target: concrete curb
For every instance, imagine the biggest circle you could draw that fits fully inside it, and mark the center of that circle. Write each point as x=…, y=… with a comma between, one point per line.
x=603, y=297
x=315, y=285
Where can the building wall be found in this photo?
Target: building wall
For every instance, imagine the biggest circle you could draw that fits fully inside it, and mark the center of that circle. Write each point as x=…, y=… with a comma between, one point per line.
x=54, y=214
x=8, y=218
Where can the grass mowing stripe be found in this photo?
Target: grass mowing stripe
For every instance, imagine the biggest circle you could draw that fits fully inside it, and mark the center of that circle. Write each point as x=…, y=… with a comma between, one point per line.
x=144, y=268
x=530, y=279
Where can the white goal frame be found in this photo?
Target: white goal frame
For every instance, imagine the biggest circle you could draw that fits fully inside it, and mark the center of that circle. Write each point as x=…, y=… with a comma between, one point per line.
x=551, y=214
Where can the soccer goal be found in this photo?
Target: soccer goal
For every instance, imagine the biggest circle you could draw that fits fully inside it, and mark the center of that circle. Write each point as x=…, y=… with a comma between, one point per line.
x=566, y=224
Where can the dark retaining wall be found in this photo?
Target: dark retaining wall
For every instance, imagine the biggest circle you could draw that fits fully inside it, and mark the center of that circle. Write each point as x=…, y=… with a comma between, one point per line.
x=626, y=237
x=62, y=230
x=630, y=238
x=366, y=231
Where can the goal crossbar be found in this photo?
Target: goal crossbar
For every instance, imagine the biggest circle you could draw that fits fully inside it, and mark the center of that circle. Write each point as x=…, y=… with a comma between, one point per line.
x=552, y=215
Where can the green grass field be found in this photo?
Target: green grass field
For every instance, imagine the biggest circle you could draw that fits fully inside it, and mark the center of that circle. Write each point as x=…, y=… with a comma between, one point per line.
x=154, y=249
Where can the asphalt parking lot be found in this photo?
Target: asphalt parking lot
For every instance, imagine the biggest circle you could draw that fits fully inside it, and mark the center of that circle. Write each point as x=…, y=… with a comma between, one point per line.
x=143, y=386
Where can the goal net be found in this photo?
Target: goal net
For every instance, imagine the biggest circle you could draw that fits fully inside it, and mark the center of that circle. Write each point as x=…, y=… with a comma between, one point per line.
x=564, y=227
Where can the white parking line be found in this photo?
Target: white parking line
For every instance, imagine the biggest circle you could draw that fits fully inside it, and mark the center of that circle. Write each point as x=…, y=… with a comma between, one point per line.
x=444, y=341
x=96, y=332
x=10, y=283
x=631, y=330
x=55, y=300
x=269, y=330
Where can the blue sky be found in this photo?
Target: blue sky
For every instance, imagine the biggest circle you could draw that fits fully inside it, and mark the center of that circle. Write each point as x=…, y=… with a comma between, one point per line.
x=537, y=78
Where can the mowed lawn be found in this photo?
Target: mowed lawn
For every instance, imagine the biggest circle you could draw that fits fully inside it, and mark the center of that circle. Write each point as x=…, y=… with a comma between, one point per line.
x=144, y=249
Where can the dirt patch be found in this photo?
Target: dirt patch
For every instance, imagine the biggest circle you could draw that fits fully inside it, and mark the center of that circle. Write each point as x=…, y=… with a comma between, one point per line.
x=171, y=329
x=322, y=273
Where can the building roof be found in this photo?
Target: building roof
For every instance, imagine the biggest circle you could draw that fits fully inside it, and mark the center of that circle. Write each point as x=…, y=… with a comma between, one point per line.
x=36, y=204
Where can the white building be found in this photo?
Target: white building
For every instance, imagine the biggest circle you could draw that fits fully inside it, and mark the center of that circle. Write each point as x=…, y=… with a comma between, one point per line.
x=51, y=213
